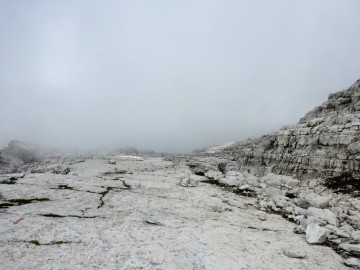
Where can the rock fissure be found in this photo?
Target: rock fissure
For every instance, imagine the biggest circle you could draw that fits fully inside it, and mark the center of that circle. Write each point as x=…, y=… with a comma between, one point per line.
x=108, y=189
x=18, y=202
x=67, y=216
x=37, y=243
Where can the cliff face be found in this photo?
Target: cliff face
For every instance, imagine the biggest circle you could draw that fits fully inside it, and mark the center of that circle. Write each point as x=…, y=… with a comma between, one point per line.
x=325, y=142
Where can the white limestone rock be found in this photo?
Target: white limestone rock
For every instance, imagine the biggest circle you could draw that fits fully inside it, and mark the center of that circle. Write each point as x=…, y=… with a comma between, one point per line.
x=294, y=252
x=355, y=235
x=353, y=262
x=273, y=192
x=316, y=234
x=350, y=247
x=337, y=232
x=324, y=216
x=143, y=220
x=318, y=201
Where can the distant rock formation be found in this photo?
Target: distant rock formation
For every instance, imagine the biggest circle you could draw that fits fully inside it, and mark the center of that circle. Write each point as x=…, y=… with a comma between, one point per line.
x=325, y=142
x=24, y=151
x=18, y=153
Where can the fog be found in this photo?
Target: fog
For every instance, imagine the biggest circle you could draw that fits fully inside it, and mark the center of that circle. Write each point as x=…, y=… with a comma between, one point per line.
x=169, y=75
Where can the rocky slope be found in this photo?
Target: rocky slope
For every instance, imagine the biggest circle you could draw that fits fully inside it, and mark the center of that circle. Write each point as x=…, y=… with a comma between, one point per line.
x=289, y=200
x=308, y=173
x=325, y=143
x=131, y=213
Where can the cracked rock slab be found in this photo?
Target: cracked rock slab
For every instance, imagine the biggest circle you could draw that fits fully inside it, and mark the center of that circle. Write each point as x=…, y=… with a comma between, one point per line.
x=146, y=221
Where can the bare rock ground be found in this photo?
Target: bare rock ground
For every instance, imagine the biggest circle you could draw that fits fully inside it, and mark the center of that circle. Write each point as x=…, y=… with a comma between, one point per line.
x=133, y=213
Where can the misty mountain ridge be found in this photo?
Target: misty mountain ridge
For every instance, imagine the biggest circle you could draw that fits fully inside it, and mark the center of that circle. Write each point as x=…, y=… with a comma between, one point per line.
x=341, y=110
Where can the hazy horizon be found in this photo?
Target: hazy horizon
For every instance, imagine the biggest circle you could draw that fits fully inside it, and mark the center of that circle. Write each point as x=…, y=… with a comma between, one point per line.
x=169, y=76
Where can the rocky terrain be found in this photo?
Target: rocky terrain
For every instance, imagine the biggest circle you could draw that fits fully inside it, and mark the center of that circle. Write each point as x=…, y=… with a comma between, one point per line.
x=288, y=200
x=130, y=213
x=326, y=142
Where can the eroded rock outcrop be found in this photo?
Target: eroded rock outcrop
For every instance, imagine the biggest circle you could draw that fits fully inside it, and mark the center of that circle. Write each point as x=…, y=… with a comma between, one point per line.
x=325, y=142
x=308, y=173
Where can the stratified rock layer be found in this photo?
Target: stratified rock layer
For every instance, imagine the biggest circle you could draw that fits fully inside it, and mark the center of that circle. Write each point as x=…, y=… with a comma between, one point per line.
x=326, y=142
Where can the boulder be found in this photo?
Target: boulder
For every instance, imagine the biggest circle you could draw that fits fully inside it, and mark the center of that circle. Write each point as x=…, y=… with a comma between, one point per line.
x=316, y=234
x=24, y=151
x=323, y=216
x=317, y=200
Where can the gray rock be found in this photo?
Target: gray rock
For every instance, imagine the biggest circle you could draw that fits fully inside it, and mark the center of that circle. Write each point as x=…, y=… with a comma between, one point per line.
x=217, y=209
x=243, y=187
x=350, y=247
x=188, y=181
x=316, y=234
x=294, y=252
x=324, y=143
x=353, y=262
x=337, y=232
x=24, y=151
x=317, y=200
x=299, y=229
x=273, y=192
x=323, y=215
x=112, y=161
x=355, y=235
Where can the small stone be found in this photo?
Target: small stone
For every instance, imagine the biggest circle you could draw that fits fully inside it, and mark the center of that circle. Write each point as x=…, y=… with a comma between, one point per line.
x=300, y=211
x=262, y=216
x=316, y=234
x=350, y=247
x=301, y=203
x=337, y=231
x=354, y=262
x=243, y=187
x=336, y=241
x=299, y=229
x=323, y=215
x=217, y=209
x=312, y=183
x=355, y=235
x=294, y=252
x=112, y=161
x=317, y=200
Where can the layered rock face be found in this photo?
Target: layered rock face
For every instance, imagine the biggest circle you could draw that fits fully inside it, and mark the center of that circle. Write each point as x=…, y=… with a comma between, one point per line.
x=326, y=142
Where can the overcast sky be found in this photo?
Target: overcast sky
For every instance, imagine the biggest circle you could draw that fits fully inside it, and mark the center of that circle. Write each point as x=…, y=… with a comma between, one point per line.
x=169, y=75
